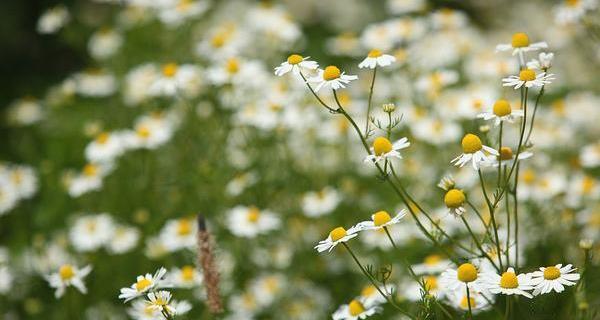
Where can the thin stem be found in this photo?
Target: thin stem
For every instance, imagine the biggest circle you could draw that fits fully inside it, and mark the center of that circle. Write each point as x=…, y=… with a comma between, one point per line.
x=500, y=155
x=516, y=210
x=535, y=107
x=477, y=243
x=469, y=301
x=390, y=237
x=507, y=204
x=492, y=216
x=316, y=95
x=508, y=303
x=370, y=98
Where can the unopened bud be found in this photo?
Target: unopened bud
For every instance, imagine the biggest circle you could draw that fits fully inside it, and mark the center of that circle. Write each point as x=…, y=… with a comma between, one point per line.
x=389, y=107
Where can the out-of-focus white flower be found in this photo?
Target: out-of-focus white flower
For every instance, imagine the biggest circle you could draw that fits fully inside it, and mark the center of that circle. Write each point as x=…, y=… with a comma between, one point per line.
x=53, y=20
x=435, y=81
x=435, y=131
x=90, y=232
x=104, y=43
x=405, y=6
x=139, y=310
x=123, y=239
x=590, y=155
x=544, y=61
x=571, y=11
x=332, y=77
x=6, y=279
x=376, y=58
x=186, y=277
x=25, y=111
x=105, y=148
x=250, y=222
x=316, y=204
x=24, y=180
x=175, y=79
x=90, y=179
x=95, y=83
x=151, y=131
x=238, y=184
x=296, y=63
x=68, y=275
x=355, y=310
x=182, y=10
x=143, y=284
x=137, y=82
x=179, y=234
x=520, y=44
x=447, y=18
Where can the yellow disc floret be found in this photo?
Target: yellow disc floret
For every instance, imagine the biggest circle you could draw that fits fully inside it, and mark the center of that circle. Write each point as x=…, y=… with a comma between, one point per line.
x=502, y=108
x=551, y=273
x=66, y=272
x=381, y=146
x=527, y=75
x=374, y=53
x=331, y=73
x=90, y=170
x=232, y=66
x=471, y=143
x=381, y=217
x=433, y=259
x=520, y=40
x=509, y=280
x=466, y=272
x=431, y=282
x=169, y=70
x=187, y=273
x=355, y=308
x=253, y=214
x=464, y=302
x=506, y=153
x=102, y=138
x=184, y=227
x=368, y=291
x=337, y=233
x=142, y=284
x=454, y=198
x=295, y=59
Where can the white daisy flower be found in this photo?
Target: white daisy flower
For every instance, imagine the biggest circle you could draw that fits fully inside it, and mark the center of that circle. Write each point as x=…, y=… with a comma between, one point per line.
x=53, y=20
x=105, y=148
x=355, y=310
x=501, y=111
x=507, y=156
x=249, y=222
x=186, y=277
x=528, y=78
x=104, y=43
x=376, y=58
x=143, y=284
x=544, y=61
x=383, y=149
x=123, y=239
x=95, y=83
x=6, y=279
x=24, y=181
x=319, y=203
x=478, y=301
x=140, y=310
x=25, y=111
x=90, y=179
x=465, y=275
x=296, y=63
x=509, y=283
x=160, y=301
x=432, y=264
x=454, y=199
x=520, y=44
x=571, y=11
x=473, y=151
x=332, y=77
x=446, y=183
x=182, y=10
x=336, y=236
x=553, y=278
x=381, y=219
x=90, y=232
x=174, y=79
x=179, y=234
x=68, y=275
x=369, y=295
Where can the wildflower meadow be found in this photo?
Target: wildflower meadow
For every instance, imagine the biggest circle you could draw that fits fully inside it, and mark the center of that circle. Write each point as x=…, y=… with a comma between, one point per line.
x=317, y=159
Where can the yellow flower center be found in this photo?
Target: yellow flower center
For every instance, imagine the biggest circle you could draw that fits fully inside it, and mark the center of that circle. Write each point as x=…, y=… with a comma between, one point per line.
x=187, y=273
x=160, y=301
x=355, y=308
x=142, y=284
x=588, y=184
x=368, y=291
x=381, y=217
x=184, y=227
x=381, y=146
x=169, y=70
x=551, y=273
x=295, y=59
x=374, y=53
x=253, y=214
x=90, y=170
x=66, y=272
x=572, y=3
x=464, y=302
x=527, y=75
x=337, y=233
x=529, y=176
x=509, y=280
x=502, y=108
x=232, y=66
x=331, y=73
x=466, y=272
x=506, y=153
x=143, y=132
x=431, y=282
x=520, y=40
x=433, y=259
x=471, y=143
x=218, y=40
x=454, y=198
x=102, y=138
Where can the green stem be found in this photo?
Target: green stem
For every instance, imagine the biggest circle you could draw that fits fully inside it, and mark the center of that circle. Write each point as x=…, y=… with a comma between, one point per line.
x=316, y=95
x=370, y=98
x=477, y=243
x=492, y=216
x=469, y=301
x=535, y=107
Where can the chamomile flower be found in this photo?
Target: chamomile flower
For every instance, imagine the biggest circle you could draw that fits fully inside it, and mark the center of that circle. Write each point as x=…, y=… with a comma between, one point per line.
x=332, y=77
x=383, y=149
x=553, y=278
x=186, y=277
x=380, y=220
x=432, y=264
x=319, y=203
x=478, y=301
x=105, y=148
x=454, y=199
x=446, y=183
x=182, y=10
x=68, y=275
x=336, y=236
x=90, y=232
x=249, y=222
x=95, y=83
x=140, y=310
x=143, y=284
x=544, y=61
x=53, y=20
x=507, y=156
x=528, y=78
x=520, y=44
x=508, y=283
x=296, y=63
x=160, y=301
x=501, y=111
x=354, y=310
x=376, y=58
x=179, y=234
x=24, y=181
x=123, y=239
x=104, y=43
x=465, y=275
x=371, y=296
x=174, y=79
x=571, y=11
x=475, y=152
